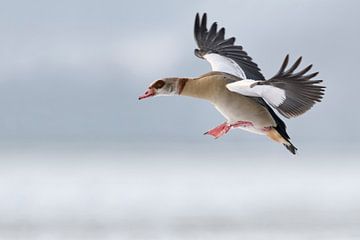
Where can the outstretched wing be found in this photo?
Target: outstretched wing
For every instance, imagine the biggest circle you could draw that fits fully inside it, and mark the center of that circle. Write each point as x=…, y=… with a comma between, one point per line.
x=290, y=93
x=221, y=53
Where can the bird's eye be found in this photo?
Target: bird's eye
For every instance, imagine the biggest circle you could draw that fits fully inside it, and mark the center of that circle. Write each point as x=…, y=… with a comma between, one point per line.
x=158, y=84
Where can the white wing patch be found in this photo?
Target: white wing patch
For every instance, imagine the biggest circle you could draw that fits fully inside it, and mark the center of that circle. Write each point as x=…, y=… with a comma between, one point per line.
x=273, y=95
x=224, y=64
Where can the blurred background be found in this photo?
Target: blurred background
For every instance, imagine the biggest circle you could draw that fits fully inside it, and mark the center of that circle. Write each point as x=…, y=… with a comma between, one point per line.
x=82, y=158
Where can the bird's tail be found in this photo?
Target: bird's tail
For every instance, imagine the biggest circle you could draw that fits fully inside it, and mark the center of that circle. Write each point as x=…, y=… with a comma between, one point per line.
x=277, y=137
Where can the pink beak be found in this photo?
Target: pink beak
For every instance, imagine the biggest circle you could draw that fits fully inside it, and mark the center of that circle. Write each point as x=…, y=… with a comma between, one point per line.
x=149, y=93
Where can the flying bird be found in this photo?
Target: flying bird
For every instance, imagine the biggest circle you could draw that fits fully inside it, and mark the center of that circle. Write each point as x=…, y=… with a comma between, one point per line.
x=239, y=91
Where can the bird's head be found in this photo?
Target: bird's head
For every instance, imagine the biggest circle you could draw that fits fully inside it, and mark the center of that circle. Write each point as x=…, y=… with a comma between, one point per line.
x=163, y=87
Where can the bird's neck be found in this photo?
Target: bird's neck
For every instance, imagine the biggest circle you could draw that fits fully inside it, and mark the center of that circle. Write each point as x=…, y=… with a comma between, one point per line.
x=195, y=87
x=180, y=85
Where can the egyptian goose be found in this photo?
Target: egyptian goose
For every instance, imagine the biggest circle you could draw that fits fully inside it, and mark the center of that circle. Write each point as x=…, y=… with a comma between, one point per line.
x=239, y=91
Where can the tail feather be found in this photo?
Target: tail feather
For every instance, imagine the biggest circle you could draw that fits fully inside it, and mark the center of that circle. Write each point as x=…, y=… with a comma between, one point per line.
x=281, y=131
x=275, y=135
x=290, y=147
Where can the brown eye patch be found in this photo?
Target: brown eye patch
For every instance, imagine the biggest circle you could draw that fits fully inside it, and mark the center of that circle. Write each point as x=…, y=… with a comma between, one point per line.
x=158, y=84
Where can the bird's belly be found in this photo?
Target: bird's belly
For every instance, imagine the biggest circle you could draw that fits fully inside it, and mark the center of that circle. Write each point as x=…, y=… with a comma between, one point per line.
x=258, y=116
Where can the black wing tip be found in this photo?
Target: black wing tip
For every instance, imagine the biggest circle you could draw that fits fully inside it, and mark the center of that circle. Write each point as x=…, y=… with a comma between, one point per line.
x=291, y=148
x=198, y=15
x=289, y=73
x=286, y=59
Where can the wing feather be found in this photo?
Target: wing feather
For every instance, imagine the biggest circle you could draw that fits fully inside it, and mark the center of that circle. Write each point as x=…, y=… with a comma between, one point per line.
x=290, y=93
x=214, y=42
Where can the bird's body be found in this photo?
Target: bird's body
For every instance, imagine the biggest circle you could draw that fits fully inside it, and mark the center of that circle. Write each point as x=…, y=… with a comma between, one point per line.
x=234, y=107
x=239, y=91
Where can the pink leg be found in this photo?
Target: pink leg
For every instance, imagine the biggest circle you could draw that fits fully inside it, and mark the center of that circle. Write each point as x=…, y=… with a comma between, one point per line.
x=242, y=124
x=267, y=129
x=225, y=127
x=219, y=130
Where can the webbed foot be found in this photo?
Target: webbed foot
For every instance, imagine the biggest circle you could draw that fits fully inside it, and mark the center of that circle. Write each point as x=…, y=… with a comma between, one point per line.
x=219, y=130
